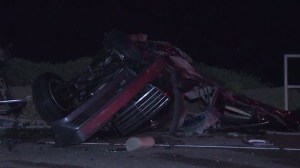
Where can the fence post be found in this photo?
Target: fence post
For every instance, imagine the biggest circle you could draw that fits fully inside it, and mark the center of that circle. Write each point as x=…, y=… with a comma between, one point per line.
x=286, y=84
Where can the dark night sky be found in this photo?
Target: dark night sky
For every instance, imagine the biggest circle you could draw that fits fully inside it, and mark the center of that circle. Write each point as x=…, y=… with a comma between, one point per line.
x=250, y=36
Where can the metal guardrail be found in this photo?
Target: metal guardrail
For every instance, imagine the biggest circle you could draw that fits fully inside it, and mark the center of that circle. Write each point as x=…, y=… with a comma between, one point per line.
x=286, y=85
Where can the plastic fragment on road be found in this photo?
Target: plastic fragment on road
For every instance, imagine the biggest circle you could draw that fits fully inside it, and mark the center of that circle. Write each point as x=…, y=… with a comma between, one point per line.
x=139, y=143
x=258, y=142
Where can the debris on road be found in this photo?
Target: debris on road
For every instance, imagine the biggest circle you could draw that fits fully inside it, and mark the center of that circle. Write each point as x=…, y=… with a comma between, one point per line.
x=139, y=143
x=258, y=142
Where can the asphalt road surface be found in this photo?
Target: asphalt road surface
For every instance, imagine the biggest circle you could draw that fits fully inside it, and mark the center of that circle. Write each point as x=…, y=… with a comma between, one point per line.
x=209, y=151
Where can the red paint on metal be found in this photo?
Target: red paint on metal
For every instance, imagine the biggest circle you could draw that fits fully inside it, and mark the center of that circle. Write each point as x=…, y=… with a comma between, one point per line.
x=123, y=99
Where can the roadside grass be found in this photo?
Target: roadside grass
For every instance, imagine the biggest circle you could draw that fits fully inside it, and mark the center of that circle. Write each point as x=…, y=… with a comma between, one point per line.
x=23, y=72
x=275, y=97
x=20, y=72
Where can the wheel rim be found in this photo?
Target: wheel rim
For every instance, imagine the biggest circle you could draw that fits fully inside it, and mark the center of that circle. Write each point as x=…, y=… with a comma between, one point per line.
x=58, y=95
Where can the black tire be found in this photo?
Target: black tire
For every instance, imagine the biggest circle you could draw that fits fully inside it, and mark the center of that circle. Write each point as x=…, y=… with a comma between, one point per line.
x=46, y=97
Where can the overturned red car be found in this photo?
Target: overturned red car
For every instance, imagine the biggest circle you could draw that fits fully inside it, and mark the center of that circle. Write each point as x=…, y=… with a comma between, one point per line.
x=134, y=81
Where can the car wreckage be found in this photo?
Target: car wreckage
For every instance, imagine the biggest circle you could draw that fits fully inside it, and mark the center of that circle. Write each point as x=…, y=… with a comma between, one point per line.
x=132, y=84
